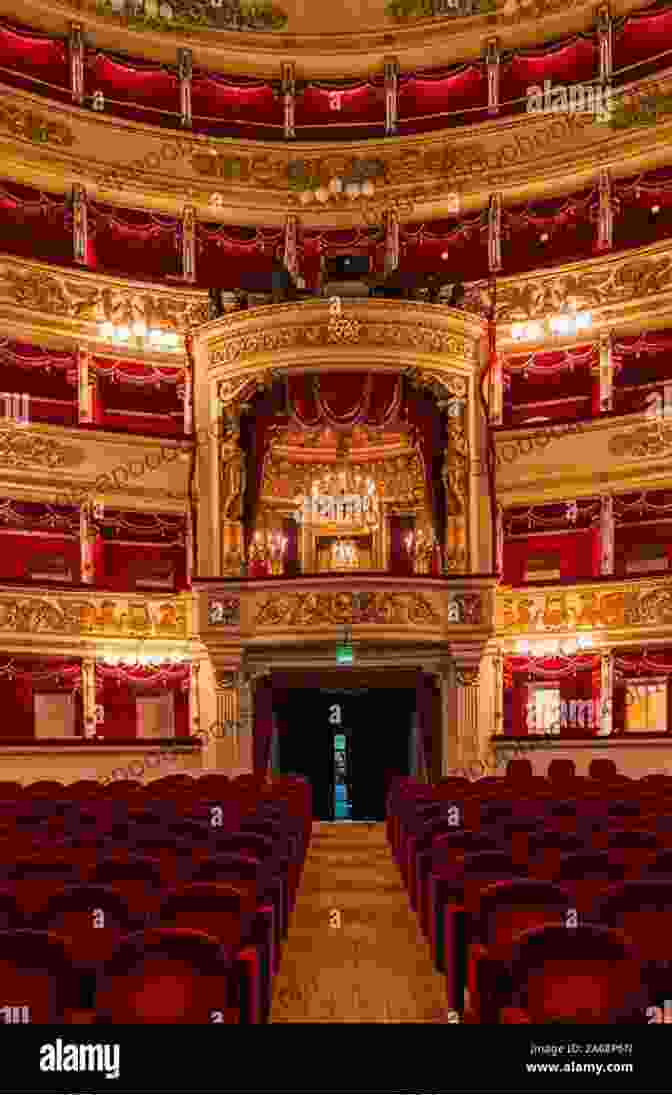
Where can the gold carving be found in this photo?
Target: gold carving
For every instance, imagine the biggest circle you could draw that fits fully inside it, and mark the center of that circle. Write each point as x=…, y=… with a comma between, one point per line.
x=467, y=677
x=72, y=616
x=422, y=339
x=308, y=609
x=639, y=604
x=21, y=450
x=29, y=126
x=652, y=439
x=90, y=300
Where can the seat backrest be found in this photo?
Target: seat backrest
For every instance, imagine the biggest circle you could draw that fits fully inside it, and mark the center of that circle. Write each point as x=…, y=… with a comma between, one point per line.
x=35, y=973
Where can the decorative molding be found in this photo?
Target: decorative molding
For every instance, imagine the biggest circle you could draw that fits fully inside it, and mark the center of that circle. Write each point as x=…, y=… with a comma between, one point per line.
x=92, y=298
x=641, y=603
x=467, y=676
x=308, y=609
x=465, y=608
x=28, y=612
x=24, y=449
x=182, y=17
x=29, y=125
x=650, y=440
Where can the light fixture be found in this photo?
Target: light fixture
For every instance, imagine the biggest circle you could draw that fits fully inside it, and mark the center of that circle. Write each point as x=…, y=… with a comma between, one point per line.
x=563, y=325
x=341, y=496
x=339, y=189
x=157, y=338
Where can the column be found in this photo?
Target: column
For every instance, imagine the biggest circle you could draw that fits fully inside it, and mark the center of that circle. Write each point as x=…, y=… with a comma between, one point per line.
x=288, y=88
x=291, y=256
x=492, y=61
x=89, y=696
x=496, y=385
x=232, y=479
x=499, y=541
x=245, y=758
x=391, y=96
x=184, y=72
x=223, y=747
x=77, y=63
x=495, y=233
x=79, y=224
x=187, y=393
x=606, y=367
x=455, y=475
x=194, y=699
x=85, y=386
x=465, y=724
x=450, y=757
x=605, y=218
x=189, y=243
x=606, y=716
x=606, y=534
x=87, y=537
x=605, y=39
x=391, y=241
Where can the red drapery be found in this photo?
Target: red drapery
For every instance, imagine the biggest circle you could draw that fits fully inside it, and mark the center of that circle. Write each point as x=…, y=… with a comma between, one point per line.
x=140, y=398
x=142, y=245
x=576, y=550
x=344, y=399
x=635, y=200
x=25, y=53
x=464, y=243
x=24, y=554
x=22, y=678
x=638, y=38
x=628, y=537
x=313, y=245
x=35, y=225
x=152, y=89
x=137, y=548
x=548, y=232
x=449, y=97
x=224, y=251
x=573, y=61
x=576, y=679
x=235, y=107
x=335, y=112
x=117, y=688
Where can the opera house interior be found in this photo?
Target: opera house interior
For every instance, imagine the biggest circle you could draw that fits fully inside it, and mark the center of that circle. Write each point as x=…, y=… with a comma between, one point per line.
x=386, y=304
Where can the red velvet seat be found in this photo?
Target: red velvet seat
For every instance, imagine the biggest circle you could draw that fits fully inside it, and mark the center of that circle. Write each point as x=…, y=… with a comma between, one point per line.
x=169, y=975
x=557, y=974
x=34, y=878
x=35, y=972
x=228, y=913
x=138, y=880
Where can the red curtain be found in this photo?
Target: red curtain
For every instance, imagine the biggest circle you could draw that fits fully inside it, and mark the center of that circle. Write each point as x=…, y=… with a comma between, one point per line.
x=35, y=225
x=140, y=398
x=642, y=35
x=263, y=725
x=120, y=562
x=21, y=678
x=448, y=97
x=344, y=399
x=16, y=702
x=313, y=246
x=627, y=537
x=223, y=252
x=635, y=199
x=22, y=552
x=464, y=243
x=118, y=691
x=576, y=551
x=133, y=243
x=573, y=61
x=549, y=232
x=340, y=112
x=235, y=108
x=400, y=560
x=153, y=90
x=48, y=376
x=34, y=62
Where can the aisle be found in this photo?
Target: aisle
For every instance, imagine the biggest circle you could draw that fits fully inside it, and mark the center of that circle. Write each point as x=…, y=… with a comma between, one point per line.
x=375, y=967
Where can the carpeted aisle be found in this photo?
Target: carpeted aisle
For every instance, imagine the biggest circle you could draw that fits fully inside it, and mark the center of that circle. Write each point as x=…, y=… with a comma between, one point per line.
x=373, y=968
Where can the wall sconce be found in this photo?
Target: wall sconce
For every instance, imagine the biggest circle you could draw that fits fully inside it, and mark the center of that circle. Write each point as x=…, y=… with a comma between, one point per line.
x=141, y=337
x=561, y=326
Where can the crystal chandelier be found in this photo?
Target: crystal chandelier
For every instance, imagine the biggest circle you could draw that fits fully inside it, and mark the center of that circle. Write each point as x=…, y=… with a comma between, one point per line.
x=341, y=496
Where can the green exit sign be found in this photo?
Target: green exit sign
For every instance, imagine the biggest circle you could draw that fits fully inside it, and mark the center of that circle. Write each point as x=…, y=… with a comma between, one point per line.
x=344, y=655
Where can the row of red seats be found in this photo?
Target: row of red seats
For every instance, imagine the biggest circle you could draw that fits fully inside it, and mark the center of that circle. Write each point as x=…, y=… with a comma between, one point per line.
x=168, y=903
x=519, y=882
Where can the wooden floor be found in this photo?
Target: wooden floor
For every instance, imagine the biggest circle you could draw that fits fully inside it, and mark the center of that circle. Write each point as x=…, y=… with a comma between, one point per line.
x=369, y=964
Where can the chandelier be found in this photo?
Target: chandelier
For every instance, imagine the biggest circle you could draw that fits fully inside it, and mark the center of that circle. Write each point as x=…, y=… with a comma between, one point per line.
x=341, y=496
x=344, y=555
x=568, y=323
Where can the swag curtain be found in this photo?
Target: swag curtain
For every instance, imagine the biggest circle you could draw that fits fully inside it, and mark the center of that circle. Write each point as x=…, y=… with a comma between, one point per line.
x=36, y=225
x=128, y=241
x=329, y=111
x=575, y=676
x=451, y=97
x=638, y=39
x=464, y=243
x=634, y=199
x=140, y=398
x=573, y=61
x=315, y=245
x=22, y=678
x=224, y=251
x=118, y=687
x=49, y=377
x=34, y=62
x=235, y=107
x=134, y=89
x=549, y=232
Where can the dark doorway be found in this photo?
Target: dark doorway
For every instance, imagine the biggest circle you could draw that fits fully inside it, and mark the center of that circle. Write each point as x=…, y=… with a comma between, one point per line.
x=350, y=743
